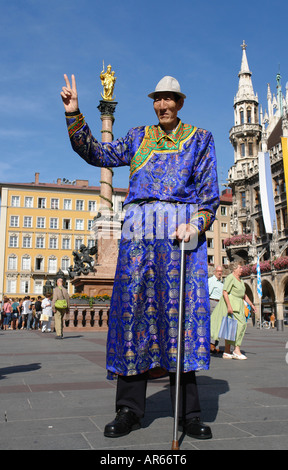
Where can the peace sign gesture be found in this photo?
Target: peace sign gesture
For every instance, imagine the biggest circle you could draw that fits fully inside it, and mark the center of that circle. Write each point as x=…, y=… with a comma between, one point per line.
x=69, y=95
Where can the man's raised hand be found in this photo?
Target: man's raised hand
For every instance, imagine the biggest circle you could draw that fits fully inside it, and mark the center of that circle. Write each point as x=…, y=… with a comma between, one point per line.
x=69, y=95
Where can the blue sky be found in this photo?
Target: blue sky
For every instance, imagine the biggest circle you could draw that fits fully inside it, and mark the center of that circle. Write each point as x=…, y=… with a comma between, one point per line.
x=197, y=42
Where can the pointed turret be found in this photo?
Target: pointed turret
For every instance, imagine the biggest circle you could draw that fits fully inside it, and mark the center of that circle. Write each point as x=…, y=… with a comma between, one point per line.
x=245, y=135
x=245, y=89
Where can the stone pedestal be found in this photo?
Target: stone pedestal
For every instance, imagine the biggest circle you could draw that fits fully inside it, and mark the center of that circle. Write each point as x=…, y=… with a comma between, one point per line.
x=97, y=283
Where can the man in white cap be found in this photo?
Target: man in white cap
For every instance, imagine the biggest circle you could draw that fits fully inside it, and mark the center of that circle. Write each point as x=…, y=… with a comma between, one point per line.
x=172, y=171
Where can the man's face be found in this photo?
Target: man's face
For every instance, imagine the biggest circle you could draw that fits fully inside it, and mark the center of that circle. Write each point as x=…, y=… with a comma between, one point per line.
x=218, y=273
x=166, y=108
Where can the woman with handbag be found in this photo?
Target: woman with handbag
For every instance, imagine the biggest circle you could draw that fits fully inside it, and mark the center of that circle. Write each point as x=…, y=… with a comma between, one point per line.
x=60, y=306
x=231, y=304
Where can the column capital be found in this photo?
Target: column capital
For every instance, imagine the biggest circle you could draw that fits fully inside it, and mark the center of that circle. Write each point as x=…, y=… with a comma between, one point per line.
x=107, y=108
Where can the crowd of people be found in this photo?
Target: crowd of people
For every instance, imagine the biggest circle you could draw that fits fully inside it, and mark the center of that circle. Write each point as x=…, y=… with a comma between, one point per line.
x=27, y=313
x=31, y=313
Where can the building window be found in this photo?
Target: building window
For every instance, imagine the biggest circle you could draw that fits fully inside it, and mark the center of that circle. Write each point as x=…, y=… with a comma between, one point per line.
x=243, y=199
x=225, y=260
x=41, y=202
x=224, y=227
x=15, y=201
x=223, y=210
x=54, y=203
x=40, y=242
x=28, y=201
x=210, y=243
x=241, y=117
x=249, y=116
x=11, y=286
x=79, y=224
x=66, y=244
x=65, y=264
x=250, y=147
x=79, y=205
x=66, y=224
x=278, y=216
x=210, y=259
x=40, y=222
x=52, y=265
x=14, y=221
x=13, y=241
x=256, y=196
x=276, y=186
x=39, y=264
x=26, y=263
x=78, y=243
x=92, y=206
x=54, y=223
x=67, y=204
x=12, y=263
x=24, y=286
x=27, y=242
x=53, y=243
x=90, y=224
x=27, y=222
x=119, y=206
x=285, y=219
x=38, y=287
x=242, y=147
x=91, y=243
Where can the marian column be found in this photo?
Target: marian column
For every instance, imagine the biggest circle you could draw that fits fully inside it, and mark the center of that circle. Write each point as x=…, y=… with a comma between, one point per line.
x=106, y=228
x=107, y=108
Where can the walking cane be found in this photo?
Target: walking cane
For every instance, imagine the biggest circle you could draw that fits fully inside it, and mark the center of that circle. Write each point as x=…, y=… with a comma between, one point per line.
x=175, y=443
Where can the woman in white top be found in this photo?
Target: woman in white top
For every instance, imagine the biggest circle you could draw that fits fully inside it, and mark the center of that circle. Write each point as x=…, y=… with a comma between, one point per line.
x=47, y=314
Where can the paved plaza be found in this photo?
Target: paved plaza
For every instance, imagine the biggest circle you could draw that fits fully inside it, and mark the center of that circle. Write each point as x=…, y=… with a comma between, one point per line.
x=54, y=395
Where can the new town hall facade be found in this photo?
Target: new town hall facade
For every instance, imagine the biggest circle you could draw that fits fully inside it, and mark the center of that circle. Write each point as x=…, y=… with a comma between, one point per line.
x=257, y=131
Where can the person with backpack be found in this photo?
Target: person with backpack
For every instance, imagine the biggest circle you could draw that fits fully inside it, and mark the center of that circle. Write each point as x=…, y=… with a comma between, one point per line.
x=38, y=311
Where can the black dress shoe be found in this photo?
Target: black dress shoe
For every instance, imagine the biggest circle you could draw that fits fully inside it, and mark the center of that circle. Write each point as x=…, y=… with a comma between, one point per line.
x=125, y=422
x=194, y=428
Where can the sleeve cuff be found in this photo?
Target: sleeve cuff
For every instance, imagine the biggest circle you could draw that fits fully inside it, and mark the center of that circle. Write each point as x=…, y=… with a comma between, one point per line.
x=74, y=113
x=75, y=123
x=201, y=221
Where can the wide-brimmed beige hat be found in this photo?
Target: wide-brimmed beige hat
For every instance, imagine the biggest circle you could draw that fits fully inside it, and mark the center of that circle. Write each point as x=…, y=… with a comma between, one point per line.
x=168, y=83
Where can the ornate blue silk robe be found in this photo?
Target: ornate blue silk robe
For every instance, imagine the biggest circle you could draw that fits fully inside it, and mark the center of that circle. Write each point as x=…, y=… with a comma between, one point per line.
x=167, y=171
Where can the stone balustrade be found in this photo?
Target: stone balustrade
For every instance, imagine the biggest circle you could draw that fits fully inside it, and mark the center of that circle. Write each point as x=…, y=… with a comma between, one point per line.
x=82, y=316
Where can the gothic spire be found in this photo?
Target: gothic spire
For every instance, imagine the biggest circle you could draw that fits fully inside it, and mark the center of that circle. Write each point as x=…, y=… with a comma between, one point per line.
x=245, y=89
x=244, y=64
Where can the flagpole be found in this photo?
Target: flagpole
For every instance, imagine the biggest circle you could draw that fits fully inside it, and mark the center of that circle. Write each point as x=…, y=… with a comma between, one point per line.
x=259, y=288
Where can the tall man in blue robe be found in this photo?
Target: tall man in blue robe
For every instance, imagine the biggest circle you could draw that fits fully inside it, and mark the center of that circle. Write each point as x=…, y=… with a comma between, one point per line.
x=173, y=185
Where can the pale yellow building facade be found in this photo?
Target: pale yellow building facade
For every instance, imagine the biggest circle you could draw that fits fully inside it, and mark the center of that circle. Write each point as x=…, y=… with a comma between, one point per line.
x=40, y=226
x=220, y=230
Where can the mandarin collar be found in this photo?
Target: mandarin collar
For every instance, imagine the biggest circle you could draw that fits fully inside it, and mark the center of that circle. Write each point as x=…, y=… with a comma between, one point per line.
x=174, y=136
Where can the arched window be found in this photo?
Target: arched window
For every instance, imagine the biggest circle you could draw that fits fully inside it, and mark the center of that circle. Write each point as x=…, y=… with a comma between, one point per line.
x=249, y=116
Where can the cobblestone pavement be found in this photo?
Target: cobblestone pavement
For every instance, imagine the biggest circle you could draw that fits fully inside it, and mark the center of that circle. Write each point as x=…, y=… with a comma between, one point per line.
x=54, y=395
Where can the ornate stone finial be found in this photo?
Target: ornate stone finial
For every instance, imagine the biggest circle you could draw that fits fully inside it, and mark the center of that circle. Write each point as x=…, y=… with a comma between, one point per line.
x=244, y=46
x=108, y=80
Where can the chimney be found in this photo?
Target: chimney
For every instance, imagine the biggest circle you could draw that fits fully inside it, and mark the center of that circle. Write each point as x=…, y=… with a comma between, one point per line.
x=58, y=180
x=37, y=178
